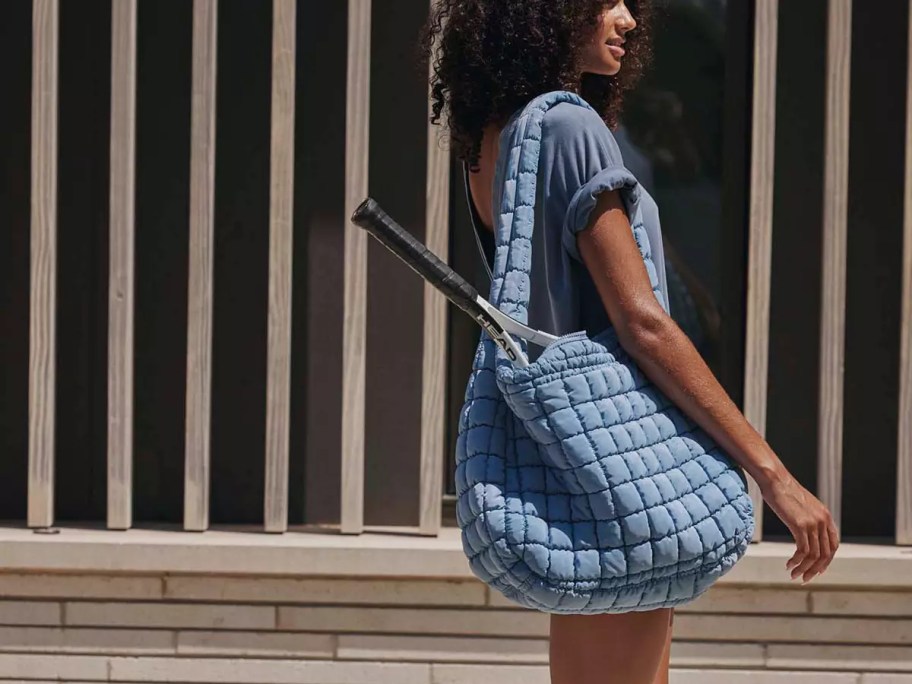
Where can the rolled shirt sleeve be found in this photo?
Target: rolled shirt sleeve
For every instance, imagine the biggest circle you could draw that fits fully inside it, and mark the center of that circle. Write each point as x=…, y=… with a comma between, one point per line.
x=615, y=177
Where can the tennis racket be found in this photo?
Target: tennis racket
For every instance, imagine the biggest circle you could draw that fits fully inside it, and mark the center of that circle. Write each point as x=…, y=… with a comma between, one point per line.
x=371, y=217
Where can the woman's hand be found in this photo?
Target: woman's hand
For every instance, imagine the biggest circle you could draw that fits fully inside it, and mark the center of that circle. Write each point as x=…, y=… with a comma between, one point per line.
x=809, y=521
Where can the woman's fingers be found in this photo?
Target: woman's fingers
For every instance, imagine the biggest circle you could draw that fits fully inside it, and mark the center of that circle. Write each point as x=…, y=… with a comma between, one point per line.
x=825, y=554
x=833, y=538
x=801, y=541
x=822, y=542
x=813, y=552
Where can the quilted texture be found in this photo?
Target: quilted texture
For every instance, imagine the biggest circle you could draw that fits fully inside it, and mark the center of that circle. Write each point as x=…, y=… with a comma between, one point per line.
x=581, y=487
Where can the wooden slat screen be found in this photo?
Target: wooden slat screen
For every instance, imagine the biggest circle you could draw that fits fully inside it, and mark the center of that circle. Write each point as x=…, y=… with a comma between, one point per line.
x=433, y=391
x=121, y=264
x=202, y=236
x=904, y=442
x=43, y=301
x=835, y=231
x=357, y=124
x=281, y=207
x=351, y=337
x=763, y=137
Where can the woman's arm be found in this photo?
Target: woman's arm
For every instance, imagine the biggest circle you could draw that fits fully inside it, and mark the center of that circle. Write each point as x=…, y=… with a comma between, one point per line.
x=667, y=356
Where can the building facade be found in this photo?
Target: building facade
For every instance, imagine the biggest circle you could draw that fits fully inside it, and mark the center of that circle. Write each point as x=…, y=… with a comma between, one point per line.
x=227, y=416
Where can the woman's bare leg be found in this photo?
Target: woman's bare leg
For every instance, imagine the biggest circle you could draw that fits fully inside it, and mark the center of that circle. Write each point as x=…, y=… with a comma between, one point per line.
x=609, y=648
x=662, y=674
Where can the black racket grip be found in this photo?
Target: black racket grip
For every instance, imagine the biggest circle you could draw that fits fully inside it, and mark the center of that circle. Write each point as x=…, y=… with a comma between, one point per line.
x=398, y=240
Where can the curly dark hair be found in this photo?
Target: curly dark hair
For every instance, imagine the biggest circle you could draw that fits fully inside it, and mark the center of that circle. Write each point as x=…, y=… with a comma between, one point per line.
x=490, y=57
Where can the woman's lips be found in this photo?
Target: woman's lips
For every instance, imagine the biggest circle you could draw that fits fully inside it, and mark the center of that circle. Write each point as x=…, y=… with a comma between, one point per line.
x=616, y=50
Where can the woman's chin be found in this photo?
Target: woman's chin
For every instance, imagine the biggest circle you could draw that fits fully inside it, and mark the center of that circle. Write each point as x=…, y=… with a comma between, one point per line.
x=613, y=68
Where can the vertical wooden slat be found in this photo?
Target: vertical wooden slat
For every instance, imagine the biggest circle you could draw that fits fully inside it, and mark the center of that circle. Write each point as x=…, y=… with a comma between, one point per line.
x=354, y=333
x=202, y=223
x=433, y=379
x=42, y=304
x=904, y=442
x=835, y=226
x=120, y=289
x=281, y=205
x=759, y=270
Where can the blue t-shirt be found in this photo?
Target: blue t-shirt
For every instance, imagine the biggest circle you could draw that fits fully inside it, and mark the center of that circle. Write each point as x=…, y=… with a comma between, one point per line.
x=579, y=159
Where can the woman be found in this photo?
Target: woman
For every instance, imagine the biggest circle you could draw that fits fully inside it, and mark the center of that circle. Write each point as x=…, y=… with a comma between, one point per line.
x=490, y=57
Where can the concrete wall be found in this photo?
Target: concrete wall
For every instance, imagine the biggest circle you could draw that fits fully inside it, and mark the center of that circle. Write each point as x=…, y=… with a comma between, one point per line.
x=262, y=630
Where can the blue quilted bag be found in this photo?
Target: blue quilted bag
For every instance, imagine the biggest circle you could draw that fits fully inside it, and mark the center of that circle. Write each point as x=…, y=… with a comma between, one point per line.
x=581, y=487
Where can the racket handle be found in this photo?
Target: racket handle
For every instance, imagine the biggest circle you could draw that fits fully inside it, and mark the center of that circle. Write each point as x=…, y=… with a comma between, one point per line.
x=398, y=240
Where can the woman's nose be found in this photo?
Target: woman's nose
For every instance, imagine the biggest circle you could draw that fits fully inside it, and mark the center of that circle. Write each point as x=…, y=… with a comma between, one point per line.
x=625, y=21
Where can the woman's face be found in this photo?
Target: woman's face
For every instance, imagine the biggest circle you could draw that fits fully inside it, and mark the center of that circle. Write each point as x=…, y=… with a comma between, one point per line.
x=605, y=51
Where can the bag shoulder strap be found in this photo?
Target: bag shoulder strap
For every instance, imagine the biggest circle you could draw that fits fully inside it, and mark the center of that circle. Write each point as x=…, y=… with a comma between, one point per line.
x=516, y=177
